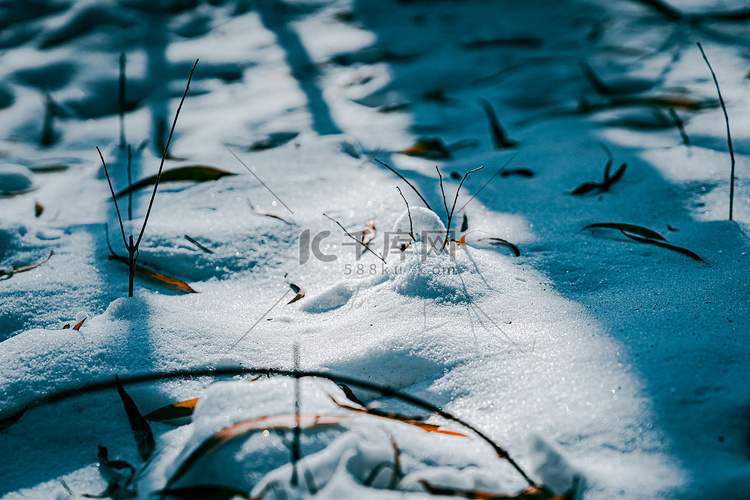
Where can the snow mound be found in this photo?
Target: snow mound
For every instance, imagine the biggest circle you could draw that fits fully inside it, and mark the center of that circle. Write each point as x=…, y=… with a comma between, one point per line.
x=242, y=431
x=423, y=224
x=14, y=179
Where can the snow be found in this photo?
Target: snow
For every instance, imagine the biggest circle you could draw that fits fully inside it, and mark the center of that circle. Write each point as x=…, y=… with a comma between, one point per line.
x=602, y=364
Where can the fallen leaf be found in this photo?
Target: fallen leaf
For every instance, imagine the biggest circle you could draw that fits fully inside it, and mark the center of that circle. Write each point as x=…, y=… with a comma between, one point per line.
x=79, y=325
x=144, y=438
x=25, y=268
x=38, y=209
x=258, y=211
x=630, y=228
x=465, y=224
x=198, y=173
x=500, y=241
x=662, y=244
x=350, y=394
x=529, y=42
x=586, y=187
x=298, y=291
x=161, y=278
x=368, y=233
x=8, y=421
x=175, y=410
x=431, y=148
x=66, y=327
x=499, y=137
x=273, y=140
x=103, y=457
x=520, y=172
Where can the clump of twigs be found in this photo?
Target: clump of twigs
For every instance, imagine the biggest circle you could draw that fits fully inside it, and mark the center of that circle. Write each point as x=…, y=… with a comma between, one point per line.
x=448, y=213
x=455, y=199
x=608, y=181
x=130, y=245
x=729, y=135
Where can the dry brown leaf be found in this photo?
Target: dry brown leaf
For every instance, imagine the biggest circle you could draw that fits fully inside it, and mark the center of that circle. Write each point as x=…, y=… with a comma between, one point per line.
x=144, y=438
x=368, y=233
x=298, y=291
x=161, y=278
x=258, y=211
x=79, y=325
x=429, y=148
x=175, y=410
x=500, y=241
x=198, y=173
x=25, y=268
x=38, y=209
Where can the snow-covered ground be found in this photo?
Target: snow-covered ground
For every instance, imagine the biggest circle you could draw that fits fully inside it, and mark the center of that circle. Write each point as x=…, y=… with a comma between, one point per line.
x=615, y=367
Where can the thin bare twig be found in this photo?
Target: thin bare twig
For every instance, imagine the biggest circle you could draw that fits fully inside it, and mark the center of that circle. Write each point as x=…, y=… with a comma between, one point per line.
x=406, y=181
x=114, y=198
x=367, y=247
x=729, y=135
x=164, y=156
x=408, y=211
x=259, y=180
x=121, y=100
x=453, y=207
x=490, y=180
x=259, y=320
x=680, y=126
x=296, y=451
x=130, y=184
x=442, y=190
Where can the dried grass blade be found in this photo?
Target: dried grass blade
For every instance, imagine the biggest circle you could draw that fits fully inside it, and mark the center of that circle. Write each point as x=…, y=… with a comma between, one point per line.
x=144, y=438
x=197, y=173
x=433, y=149
x=300, y=293
x=499, y=137
x=163, y=279
x=585, y=188
x=662, y=244
x=175, y=410
x=258, y=211
x=618, y=174
x=368, y=233
x=103, y=457
x=631, y=228
x=28, y=268
x=500, y=241
x=196, y=243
